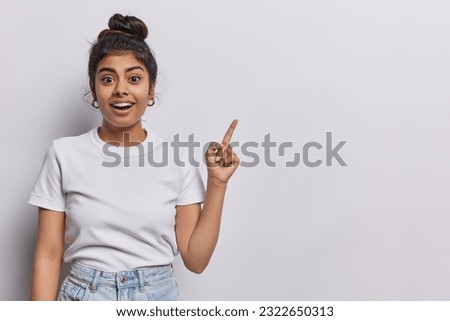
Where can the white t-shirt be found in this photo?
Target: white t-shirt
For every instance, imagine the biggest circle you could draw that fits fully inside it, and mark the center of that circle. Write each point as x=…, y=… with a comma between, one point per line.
x=120, y=210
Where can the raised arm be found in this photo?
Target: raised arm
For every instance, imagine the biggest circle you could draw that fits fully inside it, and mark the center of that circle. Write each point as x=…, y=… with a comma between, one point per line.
x=48, y=255
x=197, y=229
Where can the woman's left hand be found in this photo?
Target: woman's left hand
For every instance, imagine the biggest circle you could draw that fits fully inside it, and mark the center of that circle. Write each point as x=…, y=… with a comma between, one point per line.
x=221, y=160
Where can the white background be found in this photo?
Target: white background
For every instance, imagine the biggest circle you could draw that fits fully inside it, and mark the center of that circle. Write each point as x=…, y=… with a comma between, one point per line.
x=375, y=73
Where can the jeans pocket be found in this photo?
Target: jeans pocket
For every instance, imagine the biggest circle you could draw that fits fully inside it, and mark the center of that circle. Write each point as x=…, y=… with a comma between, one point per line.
x=163, y=290
x=71, y=291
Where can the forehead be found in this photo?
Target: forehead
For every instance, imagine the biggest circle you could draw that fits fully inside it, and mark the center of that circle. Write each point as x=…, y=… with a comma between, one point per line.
x=119, y=62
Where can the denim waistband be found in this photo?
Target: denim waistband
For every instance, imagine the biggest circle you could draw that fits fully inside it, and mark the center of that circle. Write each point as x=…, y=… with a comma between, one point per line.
x=128, y=278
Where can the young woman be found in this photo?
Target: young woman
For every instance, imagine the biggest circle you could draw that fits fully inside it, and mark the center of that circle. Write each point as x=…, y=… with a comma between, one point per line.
x=122, y=219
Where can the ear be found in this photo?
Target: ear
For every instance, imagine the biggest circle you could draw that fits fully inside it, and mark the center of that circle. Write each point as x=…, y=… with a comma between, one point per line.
x=92, y=85
x=151, y=92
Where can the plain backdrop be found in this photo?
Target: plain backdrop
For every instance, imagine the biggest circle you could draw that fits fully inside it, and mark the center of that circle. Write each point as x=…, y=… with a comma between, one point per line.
x=374, y=73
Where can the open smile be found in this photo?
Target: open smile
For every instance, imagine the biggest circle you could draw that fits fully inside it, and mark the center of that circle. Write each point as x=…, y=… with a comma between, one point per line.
x=122, y=106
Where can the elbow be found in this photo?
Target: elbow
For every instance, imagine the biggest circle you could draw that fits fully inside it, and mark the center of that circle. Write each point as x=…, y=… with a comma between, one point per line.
x=195, y=263
x=197, y=267
x=197, y=270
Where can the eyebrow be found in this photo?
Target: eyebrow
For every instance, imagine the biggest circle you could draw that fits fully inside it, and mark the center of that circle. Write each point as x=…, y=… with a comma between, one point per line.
x=108, y=69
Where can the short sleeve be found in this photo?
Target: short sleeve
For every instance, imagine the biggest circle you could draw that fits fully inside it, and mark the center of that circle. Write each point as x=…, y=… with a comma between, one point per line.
x=192, y=190
x=47, y=191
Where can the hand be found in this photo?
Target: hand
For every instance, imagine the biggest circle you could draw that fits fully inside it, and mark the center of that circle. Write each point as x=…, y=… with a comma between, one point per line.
x=221, y=161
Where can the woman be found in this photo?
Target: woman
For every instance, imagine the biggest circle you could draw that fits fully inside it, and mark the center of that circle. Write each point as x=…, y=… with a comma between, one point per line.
x=123, y=222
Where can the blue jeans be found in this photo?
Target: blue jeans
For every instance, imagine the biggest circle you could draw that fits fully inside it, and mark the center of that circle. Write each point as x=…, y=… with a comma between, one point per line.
x=85, y=283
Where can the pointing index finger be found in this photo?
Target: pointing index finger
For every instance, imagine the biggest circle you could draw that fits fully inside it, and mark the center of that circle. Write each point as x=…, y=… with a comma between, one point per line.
x=226, y=139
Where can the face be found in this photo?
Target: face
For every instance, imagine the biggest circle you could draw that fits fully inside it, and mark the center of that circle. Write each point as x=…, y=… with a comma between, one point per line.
x=122, y=89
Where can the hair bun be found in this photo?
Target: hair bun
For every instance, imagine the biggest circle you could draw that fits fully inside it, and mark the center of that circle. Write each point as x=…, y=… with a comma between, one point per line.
x=128, y=24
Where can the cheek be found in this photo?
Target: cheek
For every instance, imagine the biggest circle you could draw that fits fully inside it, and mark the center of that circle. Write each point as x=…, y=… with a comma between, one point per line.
x=142, y=96
x=102, y=93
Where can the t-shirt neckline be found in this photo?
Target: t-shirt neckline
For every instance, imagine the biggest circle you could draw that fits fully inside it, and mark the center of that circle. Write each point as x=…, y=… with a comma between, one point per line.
x=132, y=151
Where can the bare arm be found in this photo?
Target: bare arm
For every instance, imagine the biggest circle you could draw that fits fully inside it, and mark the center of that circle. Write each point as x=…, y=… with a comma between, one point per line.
x=197, y=229
x=48, y=255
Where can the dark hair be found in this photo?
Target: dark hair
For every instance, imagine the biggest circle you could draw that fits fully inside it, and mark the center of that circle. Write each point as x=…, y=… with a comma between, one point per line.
x=125, y=33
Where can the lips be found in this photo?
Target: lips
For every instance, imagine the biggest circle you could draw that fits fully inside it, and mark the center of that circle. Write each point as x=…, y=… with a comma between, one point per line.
x=122, y=105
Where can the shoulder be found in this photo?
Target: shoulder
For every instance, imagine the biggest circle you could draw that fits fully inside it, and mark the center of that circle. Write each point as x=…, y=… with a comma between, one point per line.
x=154, y=137
x=68, y=140
x=178, y=153
x=71, y=143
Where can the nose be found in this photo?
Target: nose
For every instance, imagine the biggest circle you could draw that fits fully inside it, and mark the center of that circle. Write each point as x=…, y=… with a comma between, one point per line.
x=121, y=88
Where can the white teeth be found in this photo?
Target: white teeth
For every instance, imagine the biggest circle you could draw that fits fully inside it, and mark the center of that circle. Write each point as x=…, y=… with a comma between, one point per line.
x=121, y=105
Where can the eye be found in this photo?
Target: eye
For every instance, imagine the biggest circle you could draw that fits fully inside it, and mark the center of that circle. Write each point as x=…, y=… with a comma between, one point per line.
x=135, y=78
x=107, y=79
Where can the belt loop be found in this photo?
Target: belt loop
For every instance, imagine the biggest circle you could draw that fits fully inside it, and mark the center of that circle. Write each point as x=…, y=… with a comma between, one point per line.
x=141, y=280
x=94, y=282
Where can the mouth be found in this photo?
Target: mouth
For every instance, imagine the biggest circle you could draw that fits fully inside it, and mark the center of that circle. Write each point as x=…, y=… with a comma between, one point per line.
x=122, y=106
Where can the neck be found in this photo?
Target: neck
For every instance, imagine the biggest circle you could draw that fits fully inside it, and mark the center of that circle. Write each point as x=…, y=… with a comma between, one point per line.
x=122, y=136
